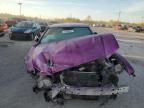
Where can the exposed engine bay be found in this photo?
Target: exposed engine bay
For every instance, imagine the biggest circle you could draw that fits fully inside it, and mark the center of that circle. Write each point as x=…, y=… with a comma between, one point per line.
x=86, y=79
x=94, y=74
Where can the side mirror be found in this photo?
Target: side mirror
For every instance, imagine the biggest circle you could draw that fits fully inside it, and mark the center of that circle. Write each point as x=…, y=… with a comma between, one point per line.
x=36, y=38
x=95, y=33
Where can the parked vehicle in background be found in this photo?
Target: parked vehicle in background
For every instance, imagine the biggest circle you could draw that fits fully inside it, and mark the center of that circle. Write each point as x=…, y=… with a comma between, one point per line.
x=25, y=30
x=11, y=23
x=3, y=27
x=94, y=25
x=108, y=26
x=19, y=19
x=131, y=29
x=138, y=29
x=102, y=25
x=135, y=29
x=121, y=27
x=117, y=27
x=124, y=27
x=43, y=26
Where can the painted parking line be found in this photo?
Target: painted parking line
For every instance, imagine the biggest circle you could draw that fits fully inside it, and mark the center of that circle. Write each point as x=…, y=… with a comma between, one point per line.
x=130, y=41
x=134, y=56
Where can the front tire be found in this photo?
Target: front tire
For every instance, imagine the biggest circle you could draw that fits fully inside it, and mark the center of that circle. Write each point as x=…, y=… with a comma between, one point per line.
x=10, y=36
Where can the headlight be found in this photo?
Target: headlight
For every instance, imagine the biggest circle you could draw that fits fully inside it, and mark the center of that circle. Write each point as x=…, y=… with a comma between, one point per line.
x=44, y=82
x=118, y=68
x=27, y=31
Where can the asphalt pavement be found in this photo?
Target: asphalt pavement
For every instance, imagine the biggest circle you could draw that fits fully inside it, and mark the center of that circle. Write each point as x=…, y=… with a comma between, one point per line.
x=16, y=84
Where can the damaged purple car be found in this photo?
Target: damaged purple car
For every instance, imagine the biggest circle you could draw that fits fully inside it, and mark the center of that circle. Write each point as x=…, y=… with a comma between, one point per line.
x=69, y=59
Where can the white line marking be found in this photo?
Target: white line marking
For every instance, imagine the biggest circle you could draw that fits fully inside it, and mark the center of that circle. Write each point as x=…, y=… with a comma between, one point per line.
x=131, y=41
x=134, y=56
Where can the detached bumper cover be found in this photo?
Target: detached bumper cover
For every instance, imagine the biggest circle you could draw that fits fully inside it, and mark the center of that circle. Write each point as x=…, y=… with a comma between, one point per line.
x=127, y=66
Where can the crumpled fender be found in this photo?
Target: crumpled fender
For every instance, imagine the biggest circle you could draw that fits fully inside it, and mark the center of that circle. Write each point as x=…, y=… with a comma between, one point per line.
x=127, y=66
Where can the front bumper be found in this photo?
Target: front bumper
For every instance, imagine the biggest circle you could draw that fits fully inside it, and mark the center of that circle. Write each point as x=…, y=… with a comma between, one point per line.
x=20, y=36
x=89, y=91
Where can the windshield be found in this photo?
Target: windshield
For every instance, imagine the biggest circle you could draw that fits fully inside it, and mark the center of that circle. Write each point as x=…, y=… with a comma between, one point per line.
x=24, y=24
x=63, y=33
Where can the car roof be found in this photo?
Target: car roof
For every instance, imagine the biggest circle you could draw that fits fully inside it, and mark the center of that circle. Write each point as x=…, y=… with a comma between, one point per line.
x=27, y=21
x=69, y=25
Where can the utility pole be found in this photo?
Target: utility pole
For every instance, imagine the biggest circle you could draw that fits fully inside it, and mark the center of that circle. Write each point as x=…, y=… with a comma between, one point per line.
x=20, y=4
x=119, y=15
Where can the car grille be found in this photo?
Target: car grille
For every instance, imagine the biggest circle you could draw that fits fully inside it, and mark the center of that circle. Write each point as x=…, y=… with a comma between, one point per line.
x=20, y=35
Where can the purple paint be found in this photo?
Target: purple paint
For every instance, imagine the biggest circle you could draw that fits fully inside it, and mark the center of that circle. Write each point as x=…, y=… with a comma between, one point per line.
x=73, y=52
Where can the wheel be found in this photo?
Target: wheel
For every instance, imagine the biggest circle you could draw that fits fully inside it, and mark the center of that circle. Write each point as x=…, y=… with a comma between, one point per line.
x=46, y=97
x=10, y=36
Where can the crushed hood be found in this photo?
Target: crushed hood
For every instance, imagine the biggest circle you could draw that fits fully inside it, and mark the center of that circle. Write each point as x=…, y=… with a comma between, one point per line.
x=73, y=52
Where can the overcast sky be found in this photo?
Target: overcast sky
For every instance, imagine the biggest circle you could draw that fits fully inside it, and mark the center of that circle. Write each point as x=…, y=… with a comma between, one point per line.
x=131, y=10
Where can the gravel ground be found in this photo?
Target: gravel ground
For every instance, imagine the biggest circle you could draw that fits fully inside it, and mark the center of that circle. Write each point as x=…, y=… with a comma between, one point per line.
x=16, y=84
